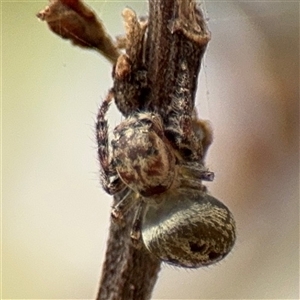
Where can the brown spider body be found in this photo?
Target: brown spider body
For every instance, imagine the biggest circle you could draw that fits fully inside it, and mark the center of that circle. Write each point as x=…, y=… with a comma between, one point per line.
x=156, y=157
x=142, y=156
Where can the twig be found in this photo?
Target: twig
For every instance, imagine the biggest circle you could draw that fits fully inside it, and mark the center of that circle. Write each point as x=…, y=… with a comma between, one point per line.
x=128, y=273
x=177, y=33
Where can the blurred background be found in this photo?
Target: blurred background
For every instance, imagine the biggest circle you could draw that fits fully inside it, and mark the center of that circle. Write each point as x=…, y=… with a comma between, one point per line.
x=55, y=216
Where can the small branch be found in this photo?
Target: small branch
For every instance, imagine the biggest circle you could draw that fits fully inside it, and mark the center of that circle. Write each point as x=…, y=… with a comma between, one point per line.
x=177, y=35
x=128, y=273
x=176, y=39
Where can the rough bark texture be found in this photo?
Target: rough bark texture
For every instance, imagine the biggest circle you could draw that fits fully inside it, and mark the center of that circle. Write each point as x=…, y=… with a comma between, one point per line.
x=128, y=273
x=177, y=34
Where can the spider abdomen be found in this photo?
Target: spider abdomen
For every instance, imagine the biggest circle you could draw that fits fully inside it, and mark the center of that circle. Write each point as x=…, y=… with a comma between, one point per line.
x=188, y=229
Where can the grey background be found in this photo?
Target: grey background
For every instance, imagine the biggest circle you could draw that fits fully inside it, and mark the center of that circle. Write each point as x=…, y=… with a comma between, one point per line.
x=55, y=216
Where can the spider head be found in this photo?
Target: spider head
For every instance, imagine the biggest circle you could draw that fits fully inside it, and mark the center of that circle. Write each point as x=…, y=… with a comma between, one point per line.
x=141, y=155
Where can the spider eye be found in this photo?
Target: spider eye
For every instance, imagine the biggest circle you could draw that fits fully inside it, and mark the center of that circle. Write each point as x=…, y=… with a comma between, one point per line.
x=191, y=230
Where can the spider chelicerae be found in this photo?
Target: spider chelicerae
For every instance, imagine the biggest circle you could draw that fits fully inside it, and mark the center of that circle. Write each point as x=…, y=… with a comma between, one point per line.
x=156, y=157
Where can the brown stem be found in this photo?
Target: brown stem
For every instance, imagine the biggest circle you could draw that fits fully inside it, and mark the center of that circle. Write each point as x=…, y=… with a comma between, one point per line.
x=176, y=32
x=128, y=273
x=177, y=36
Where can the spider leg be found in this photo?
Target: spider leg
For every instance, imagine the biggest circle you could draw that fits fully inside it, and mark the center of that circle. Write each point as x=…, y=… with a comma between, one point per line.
x=124, y=205
x=192, y=175
x=107, y=170
x=136, y=231
x=197, y=171
x=192, y=183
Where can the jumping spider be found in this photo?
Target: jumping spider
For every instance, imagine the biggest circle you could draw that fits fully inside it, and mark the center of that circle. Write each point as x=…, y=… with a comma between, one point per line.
x=156, y=160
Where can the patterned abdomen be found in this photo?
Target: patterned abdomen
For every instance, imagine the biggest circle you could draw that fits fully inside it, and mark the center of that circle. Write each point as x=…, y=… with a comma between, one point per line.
x=188, y=229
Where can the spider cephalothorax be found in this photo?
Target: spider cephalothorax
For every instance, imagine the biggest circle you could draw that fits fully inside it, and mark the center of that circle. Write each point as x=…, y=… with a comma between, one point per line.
x=155, y=160
x=142, y=155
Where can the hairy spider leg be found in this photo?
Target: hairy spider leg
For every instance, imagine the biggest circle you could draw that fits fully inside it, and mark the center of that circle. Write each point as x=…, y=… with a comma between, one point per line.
x=197, y=171
x=107, y=170
x=124, y=205
x=136, y=230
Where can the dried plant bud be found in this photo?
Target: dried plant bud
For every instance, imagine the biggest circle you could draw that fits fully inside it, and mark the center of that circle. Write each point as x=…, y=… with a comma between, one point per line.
x=73, y=20
x=135, y=30
x=188, y=228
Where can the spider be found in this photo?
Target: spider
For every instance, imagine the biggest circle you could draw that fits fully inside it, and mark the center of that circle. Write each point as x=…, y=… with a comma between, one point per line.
x=156, y=160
